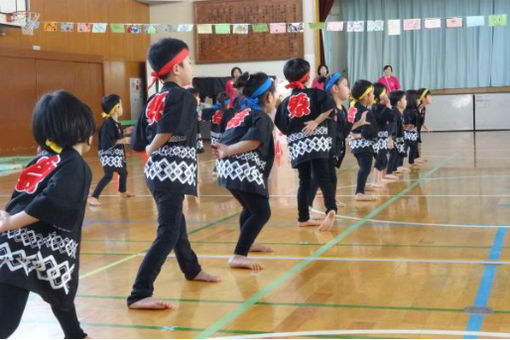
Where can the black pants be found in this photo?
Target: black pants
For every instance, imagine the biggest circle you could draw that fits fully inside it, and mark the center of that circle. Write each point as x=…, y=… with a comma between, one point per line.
x=393, y=162
x=256, y=212
x=365, y=165
x=171, y=234
x=108, y=175
x=12, y=305
x=413, y=151
x=381, y=162
x=321, y=168
x=314, y=186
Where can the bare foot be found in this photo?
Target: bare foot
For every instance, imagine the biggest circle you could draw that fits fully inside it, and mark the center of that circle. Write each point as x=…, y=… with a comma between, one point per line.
x=364, y=198
x=126, y=194
x=150, y=303
x=340, y=204
x=316, y=215
x=309, y=223
x=93, y=202
x=391, y=177
x=260, y=248
x=328, y=223
x=239, y=261
x=376, y=185
x=206, y=277
x=403, y=169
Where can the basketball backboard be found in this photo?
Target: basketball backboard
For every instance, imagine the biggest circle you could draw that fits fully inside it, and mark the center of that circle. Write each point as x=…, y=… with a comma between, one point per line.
x=12, y=6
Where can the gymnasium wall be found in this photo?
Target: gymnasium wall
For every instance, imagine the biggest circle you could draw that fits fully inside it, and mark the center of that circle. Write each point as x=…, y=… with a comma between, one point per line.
x=116, y=57
x=182, y=13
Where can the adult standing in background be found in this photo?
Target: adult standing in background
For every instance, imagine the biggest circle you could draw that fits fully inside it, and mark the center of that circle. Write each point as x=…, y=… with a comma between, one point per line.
x=229, y=88
x=389, y=80
x=320, y=80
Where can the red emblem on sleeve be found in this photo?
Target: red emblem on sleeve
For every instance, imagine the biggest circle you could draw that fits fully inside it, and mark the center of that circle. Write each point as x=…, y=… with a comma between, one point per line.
x=238, y=119
x=30, y=178
x=216, y=119
x=299, y=106
x=351, y=115
x=155, y=107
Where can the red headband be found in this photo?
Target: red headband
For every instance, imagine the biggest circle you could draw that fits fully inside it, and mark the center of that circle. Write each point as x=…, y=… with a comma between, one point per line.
x=298, y=84
x=169, y=66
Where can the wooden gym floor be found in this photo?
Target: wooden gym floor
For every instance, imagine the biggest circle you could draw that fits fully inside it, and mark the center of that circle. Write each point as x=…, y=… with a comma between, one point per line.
x=430, y=258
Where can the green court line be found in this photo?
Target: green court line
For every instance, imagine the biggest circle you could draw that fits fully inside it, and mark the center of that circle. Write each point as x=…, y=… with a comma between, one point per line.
x=293, y=304
x=127, y=122
x=108, y=266
x=226, y=319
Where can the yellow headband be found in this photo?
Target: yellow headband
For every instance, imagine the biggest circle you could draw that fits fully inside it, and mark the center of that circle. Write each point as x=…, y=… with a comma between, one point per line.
x=423, y=95
x=367, y=91
x=106, y=115
x=53, y=146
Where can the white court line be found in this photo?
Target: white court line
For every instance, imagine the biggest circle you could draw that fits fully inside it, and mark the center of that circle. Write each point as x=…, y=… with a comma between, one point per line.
x=369, y=331
x=353, y=259
x=342, y=217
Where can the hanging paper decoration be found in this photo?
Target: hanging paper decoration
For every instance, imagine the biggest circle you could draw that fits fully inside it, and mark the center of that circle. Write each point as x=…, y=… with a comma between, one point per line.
x=375, y=25
x=431, y=23
x=394, y=27
x=335, y=26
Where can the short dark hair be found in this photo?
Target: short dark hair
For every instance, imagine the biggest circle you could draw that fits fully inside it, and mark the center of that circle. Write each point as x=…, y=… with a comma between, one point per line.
x=359, y=87
x=388, y=66
x=295, y=69
x=222, y=99
x=396, y=96
x=63, y=119
x=109, y=101
x=378, y=90
x=254, y=82
x=234, y=69
x=412, y=98
x=162, y=51
x=321, y=66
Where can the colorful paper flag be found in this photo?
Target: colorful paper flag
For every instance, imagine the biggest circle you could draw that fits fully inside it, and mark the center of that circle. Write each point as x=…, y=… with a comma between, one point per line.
x=168, y=28
x=296, y=27
x=431, y=23
x=317, y=25
x=475, y=21
x=454, y=22
x=222, y=28
x=185, y=28
x=497, y=20
x=151, y=29
x=84, y=27
x=394, y=27
x=278, y=28
x=355, y=26
x=240, y=28
x=117, y=28
x=67, y=27
x=335, y=26
x=99, y=27
x=204, y=29
x=133, y=29
x=51, y=26
x=260, y=28
x=412, y=24
x=375, y=25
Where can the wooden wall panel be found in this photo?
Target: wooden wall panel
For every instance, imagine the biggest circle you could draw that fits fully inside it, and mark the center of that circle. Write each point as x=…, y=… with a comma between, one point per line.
x=112, y=46
x=16, y=103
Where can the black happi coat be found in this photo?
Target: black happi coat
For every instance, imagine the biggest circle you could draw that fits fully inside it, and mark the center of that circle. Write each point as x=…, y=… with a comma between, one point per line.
x=292, y=114
x=248, y=171
x=44, y=257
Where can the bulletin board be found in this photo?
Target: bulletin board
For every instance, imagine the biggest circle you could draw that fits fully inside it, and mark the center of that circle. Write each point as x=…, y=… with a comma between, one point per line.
x=215, y=48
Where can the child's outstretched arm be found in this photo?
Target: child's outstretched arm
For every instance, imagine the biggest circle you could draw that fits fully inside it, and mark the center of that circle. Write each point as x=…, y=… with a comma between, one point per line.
x=159, y=140
x=221, y=150
x=17, y=221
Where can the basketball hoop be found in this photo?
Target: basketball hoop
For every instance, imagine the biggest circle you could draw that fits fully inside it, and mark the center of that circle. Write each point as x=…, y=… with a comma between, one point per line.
x=26, y=20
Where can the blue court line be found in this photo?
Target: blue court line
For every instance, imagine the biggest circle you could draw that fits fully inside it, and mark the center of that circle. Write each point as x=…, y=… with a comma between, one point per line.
x=484, y=290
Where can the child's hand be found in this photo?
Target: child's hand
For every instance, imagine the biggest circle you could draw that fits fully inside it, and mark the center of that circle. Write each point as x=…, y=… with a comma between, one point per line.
x=5, y=221
x=148, y=150
x=129, y=130
x=363, y=120
x=310, y=126
x=390, y=143
x=220, y=151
